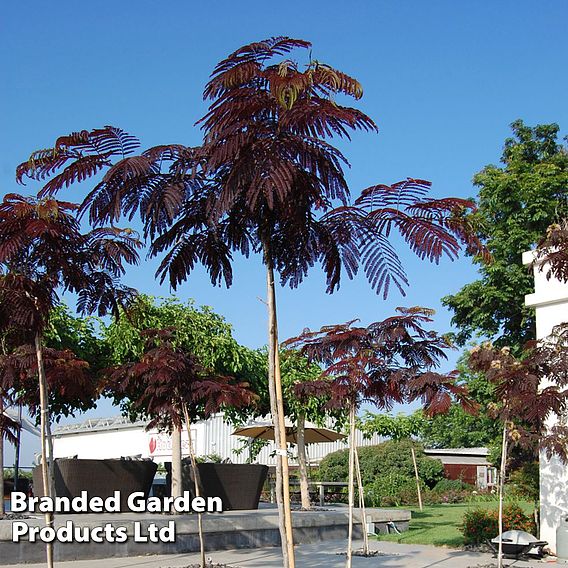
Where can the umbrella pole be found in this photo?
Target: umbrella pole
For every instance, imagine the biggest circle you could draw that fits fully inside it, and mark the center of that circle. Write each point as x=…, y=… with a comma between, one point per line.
x=301, y=443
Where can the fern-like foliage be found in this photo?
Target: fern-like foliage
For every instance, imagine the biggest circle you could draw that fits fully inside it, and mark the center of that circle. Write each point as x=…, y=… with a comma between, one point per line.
x=71, y=385
x=432, y=228
x=43, y=251
x=552, y=251
x=389, y=361
x=266, y=179
x=525, y=405
x=77, y=156
x=9, y=428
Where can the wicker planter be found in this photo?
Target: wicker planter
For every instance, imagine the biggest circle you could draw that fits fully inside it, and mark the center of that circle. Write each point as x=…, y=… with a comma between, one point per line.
x=238, y=485
x=100, y=478
x=23, y=485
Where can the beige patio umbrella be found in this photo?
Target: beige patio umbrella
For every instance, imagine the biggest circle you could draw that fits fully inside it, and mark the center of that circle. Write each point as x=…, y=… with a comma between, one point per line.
x=312, y=434
x=265, y=430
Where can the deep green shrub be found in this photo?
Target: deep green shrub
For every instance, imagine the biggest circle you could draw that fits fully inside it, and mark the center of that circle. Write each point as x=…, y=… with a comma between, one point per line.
x=430, y=470
x=333, y=467
x=480, y=525
x=445, y=485
x=391, y=489
x=381, y=460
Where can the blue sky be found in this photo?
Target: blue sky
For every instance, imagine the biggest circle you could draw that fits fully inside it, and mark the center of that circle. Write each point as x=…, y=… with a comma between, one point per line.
x=442, y=79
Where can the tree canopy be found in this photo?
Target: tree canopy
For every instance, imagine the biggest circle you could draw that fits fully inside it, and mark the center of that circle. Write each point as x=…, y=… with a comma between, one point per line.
x=460, y=429
x=387, y=362
x=516, y=203
x=79, y=334
x=199, y=331
x=169, y=385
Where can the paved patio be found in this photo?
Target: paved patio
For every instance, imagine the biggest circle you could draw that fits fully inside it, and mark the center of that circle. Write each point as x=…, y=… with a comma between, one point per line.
x=311, y=556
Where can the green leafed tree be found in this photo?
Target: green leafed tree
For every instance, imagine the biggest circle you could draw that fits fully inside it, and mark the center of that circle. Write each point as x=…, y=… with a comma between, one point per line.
x=198, y=330
x=517, y=201
x=79, y=334
x=297, y=369
x=457, y=428
x=170, y=386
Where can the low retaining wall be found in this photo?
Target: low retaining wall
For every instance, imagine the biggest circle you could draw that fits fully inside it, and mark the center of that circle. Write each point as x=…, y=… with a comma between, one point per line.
x=223, y=531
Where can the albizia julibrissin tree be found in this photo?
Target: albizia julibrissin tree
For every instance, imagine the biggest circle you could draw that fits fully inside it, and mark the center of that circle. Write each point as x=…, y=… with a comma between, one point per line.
x=387, y=362
x=532, y=398
x=43, y=252
x=70, y=384
x=171, y=387
x=552, y=251
x=265, y=180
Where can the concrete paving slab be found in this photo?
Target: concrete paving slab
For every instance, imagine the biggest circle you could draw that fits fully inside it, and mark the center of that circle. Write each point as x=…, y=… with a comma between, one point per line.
x=311, y=556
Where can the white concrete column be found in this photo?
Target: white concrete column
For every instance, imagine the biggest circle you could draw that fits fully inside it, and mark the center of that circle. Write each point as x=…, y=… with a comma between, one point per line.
x=550, y=301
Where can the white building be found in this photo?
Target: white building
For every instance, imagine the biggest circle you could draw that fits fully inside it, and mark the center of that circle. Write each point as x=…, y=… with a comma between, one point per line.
x=117, y=437
x=550, y=299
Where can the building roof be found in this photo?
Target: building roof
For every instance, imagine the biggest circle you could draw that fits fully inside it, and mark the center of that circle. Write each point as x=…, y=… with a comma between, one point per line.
x=98, y=425
x=458, y=451
x=102, y=424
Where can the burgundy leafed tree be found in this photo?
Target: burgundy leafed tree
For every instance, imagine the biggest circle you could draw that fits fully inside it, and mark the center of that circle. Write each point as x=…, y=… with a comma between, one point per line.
x=530, y=392
x=265, y=180
x=552, y=251
x=70, y=384
x=390, y=361
x=43, y=252
x=171, y=388
x=8, y=431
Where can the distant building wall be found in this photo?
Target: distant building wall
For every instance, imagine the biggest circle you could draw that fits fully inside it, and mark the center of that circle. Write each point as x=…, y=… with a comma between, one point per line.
x=468, y=464
x=550, y=300
x=465, y=472
x=213, y=436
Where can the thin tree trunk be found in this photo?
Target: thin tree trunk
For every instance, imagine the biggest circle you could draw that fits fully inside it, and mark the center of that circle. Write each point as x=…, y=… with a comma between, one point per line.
x=302, y=461
x=501, y=487
x=2, y=510
x=51, y=461
x=277, y=407
x=279, y=477
x=18, y=443
x=417, y=478
x=196, y=485
x=176, y=482
x=351, y=480
x=363, y=511
x=46, y=460
x=283, y=453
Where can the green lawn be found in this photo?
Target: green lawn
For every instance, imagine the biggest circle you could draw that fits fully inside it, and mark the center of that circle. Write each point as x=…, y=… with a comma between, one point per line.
x=438, y=524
